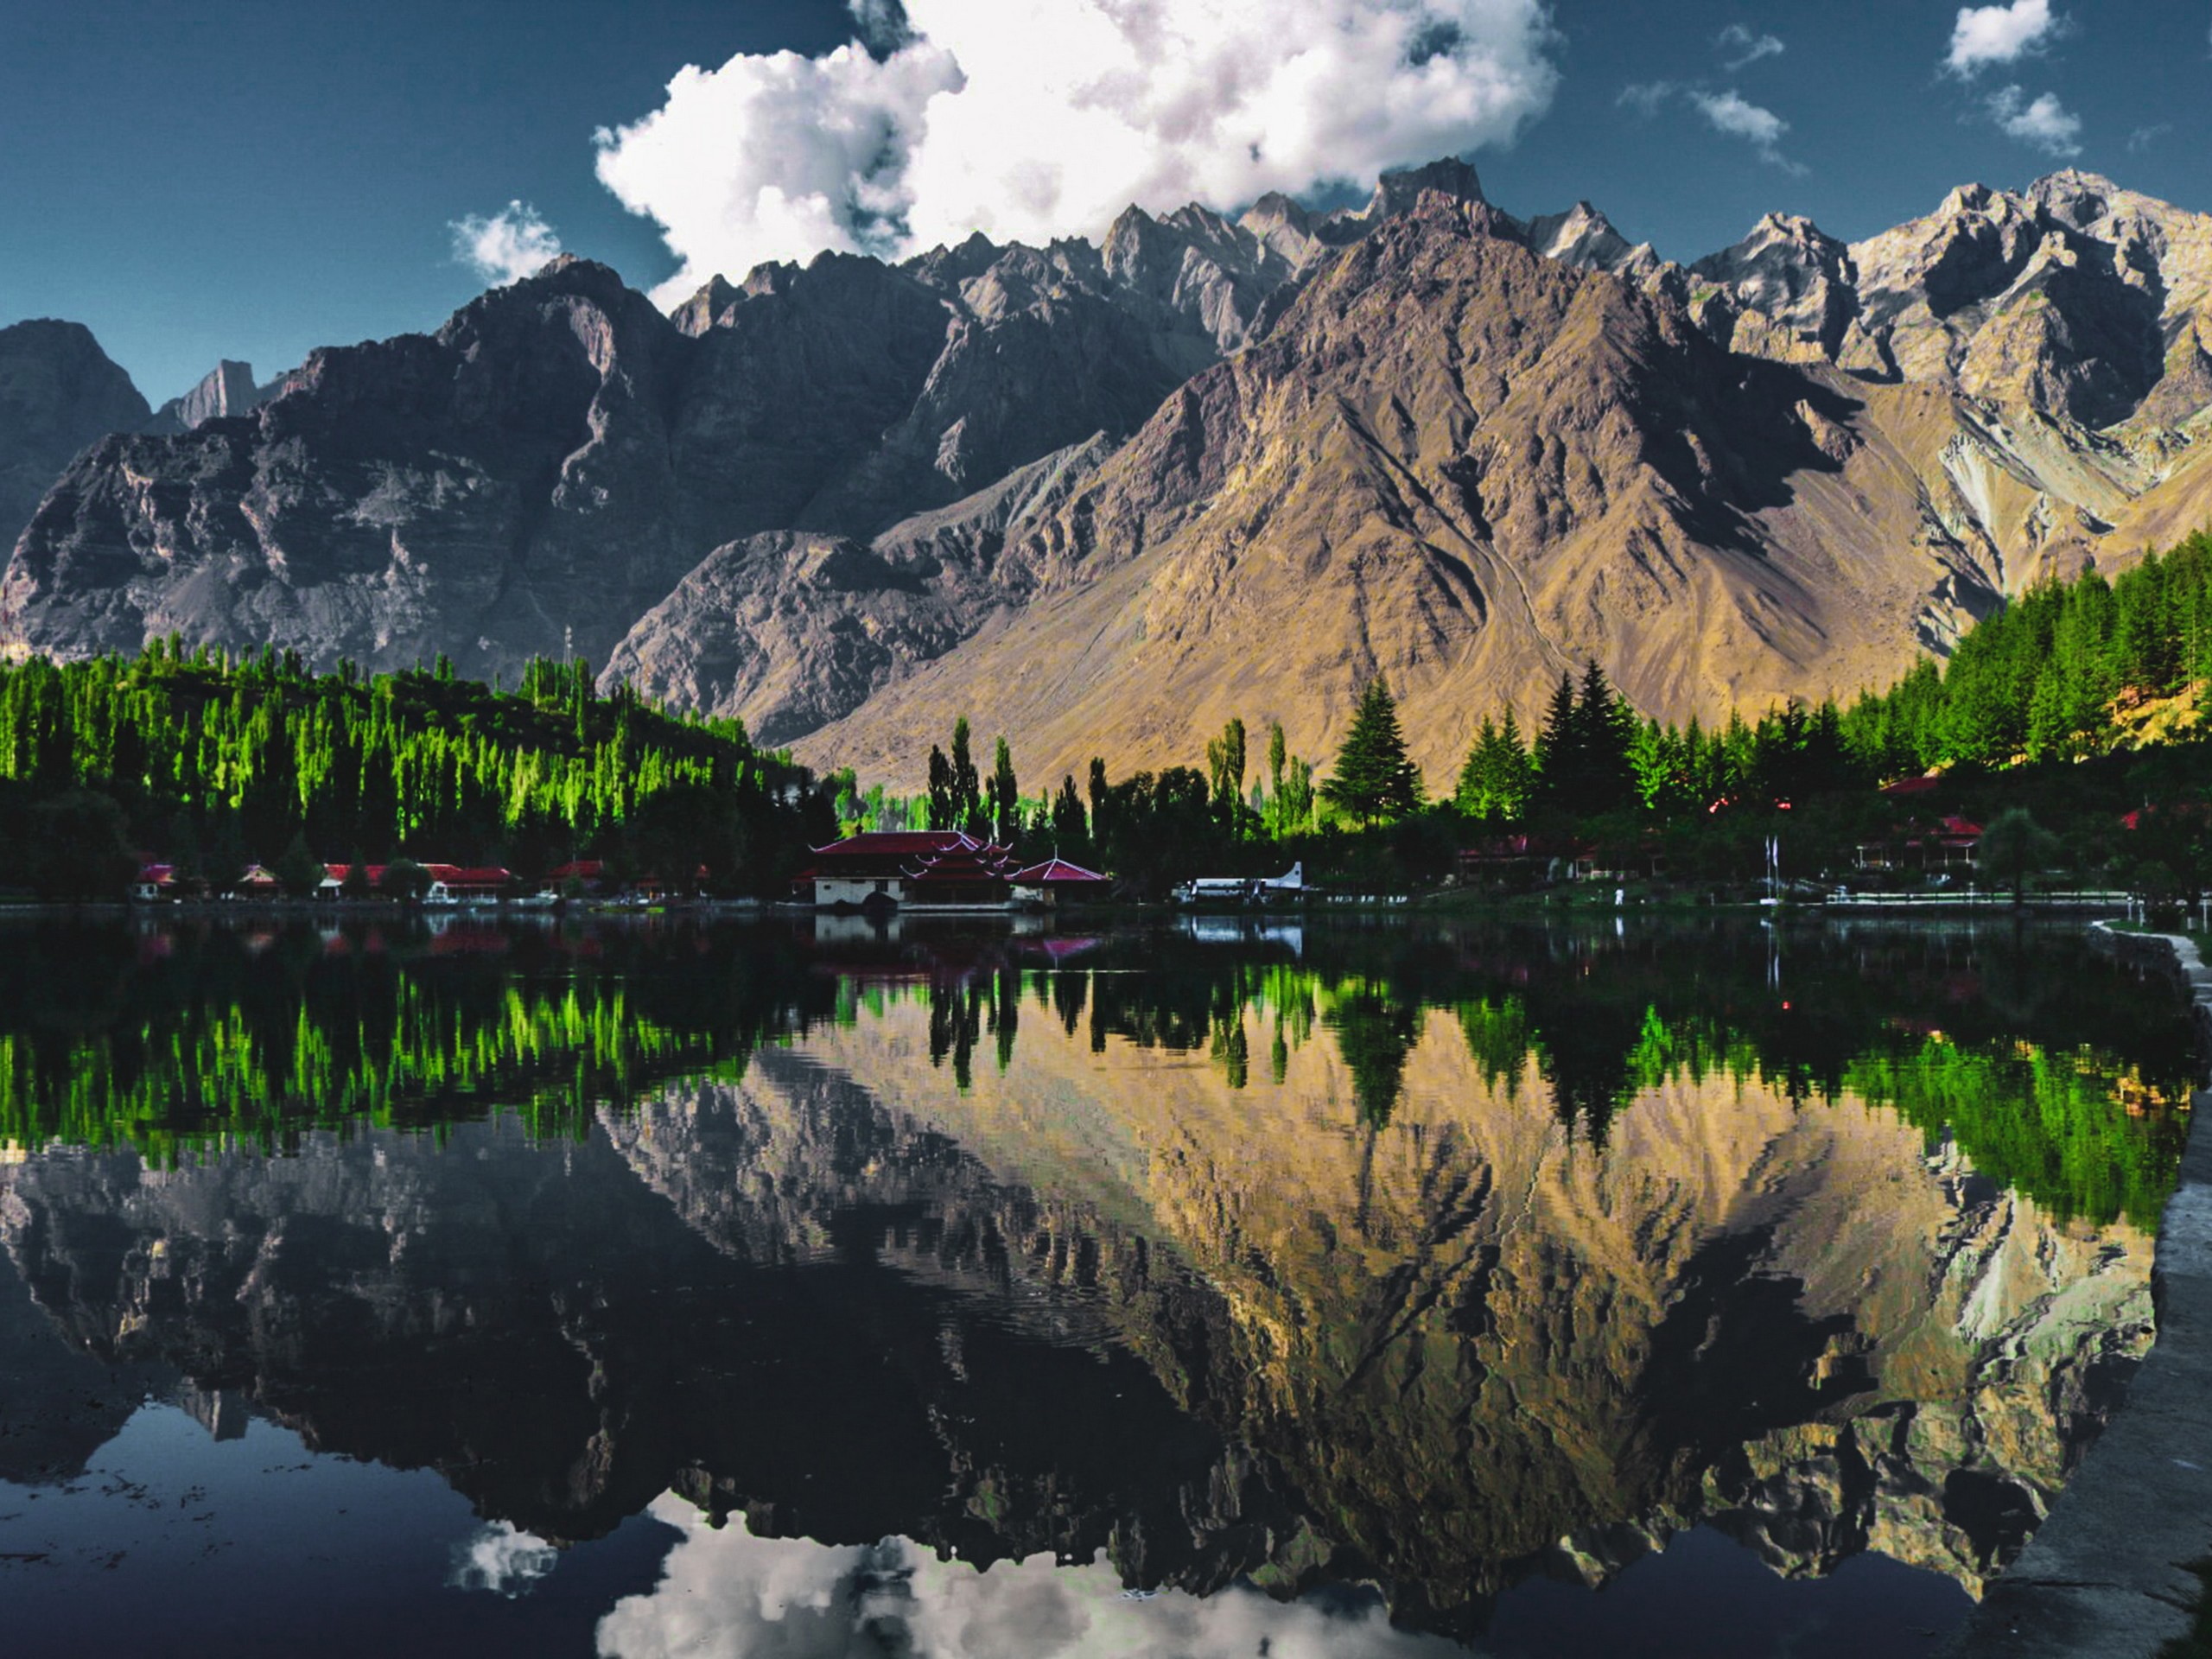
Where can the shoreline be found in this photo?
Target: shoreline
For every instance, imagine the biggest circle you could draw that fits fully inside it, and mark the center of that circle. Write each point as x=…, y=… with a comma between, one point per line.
x=2108, y=1575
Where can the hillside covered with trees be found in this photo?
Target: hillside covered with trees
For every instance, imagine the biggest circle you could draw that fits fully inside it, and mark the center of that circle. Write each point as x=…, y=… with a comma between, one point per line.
x=212, y=763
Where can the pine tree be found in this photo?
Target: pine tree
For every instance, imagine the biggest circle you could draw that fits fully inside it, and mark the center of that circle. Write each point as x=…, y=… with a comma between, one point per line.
x=1558, y=749
x=1471, y=797
x=1374, y=780
x=1495, y=782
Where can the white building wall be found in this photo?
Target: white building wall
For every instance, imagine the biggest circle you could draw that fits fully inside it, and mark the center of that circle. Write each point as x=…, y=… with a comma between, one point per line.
x=854, y=890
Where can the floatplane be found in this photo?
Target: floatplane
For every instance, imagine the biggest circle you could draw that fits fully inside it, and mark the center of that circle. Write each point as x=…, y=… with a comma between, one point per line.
x=1243, y=892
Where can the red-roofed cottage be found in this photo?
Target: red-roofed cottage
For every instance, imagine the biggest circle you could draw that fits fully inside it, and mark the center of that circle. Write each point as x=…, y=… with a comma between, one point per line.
x=452, y=884
x=1056, y=882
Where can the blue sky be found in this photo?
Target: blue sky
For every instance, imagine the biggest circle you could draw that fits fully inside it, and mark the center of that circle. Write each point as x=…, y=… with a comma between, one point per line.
x=249, y=179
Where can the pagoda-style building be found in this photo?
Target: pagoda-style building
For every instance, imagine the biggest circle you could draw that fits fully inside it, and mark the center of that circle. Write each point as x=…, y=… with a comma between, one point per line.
x=927, y=869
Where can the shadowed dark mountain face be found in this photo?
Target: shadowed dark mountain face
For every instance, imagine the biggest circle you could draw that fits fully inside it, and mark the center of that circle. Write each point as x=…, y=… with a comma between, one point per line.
x=58, y=393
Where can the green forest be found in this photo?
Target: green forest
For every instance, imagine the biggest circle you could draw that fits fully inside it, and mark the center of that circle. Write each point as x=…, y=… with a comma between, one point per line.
x=212, y=762
x=2078, y=704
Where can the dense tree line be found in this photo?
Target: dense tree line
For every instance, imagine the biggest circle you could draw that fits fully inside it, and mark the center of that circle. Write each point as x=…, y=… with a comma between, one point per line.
x=2070, y=668
x=212, y=762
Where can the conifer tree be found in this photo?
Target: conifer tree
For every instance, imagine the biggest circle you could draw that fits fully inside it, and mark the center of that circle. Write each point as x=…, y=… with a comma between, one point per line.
x=1496, y=783
x=1558, y=753
x=1374, y=780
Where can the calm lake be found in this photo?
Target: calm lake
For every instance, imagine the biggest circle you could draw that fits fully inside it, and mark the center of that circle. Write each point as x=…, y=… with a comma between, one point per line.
x=660, y=1286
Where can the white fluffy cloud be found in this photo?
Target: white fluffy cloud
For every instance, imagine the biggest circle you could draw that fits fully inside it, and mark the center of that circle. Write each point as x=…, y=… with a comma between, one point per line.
x=2043, y=121
x=1987, y=35
x=1028, y=120
x=506, y=246
x=725, y=1594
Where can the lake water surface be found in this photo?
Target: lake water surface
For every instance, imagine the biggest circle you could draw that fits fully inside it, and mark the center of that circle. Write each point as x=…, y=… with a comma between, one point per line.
x=663, y=1286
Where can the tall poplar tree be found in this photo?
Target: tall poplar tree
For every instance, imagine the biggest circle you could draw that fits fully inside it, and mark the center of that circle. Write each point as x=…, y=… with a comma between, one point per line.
x=1005, y=796
x=967, y=786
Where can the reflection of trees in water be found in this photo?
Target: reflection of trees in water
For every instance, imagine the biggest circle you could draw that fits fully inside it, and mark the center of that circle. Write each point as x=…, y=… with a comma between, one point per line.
x=110, y=1035
x=160, y=1041
x=1374, y=1030
x=2078, y=1100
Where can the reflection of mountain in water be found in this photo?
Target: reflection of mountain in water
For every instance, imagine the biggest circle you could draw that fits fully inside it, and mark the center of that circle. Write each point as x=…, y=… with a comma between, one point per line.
x=1474, y=1333
x=1219, y=1315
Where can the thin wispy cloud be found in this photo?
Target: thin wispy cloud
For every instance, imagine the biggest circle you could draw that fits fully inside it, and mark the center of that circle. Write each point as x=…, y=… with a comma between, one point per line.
x=2042, y=122
x=506, y=246
x=1730, y=113
x=1997, y=34
x=2143, y=138
x=1727, y=113
x=1742, y=47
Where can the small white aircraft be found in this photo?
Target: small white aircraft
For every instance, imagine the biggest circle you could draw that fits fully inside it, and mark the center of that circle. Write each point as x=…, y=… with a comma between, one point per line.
x=1242, y=889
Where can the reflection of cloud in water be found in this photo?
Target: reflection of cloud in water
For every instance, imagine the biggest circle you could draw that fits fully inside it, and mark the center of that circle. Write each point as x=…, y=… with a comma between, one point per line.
x=725, y=1594
x=501, y=1558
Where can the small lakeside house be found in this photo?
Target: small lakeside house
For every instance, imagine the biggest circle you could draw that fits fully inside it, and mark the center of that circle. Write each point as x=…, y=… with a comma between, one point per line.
x=1056, y=882
x=454, y=883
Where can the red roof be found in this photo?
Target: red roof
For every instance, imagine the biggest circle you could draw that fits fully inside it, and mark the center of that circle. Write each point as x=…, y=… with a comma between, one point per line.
x=1054, y=872
x=900, y=843
x=456, y=875
x=583, y=869
x=971, y=861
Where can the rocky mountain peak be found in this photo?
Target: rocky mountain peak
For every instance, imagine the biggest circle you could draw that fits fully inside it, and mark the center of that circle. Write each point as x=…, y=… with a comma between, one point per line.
x=2078, y=195
x=1583, y=237
x=59, y=392
x=227, y=390
x=706, y=308
x=1399, y=192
